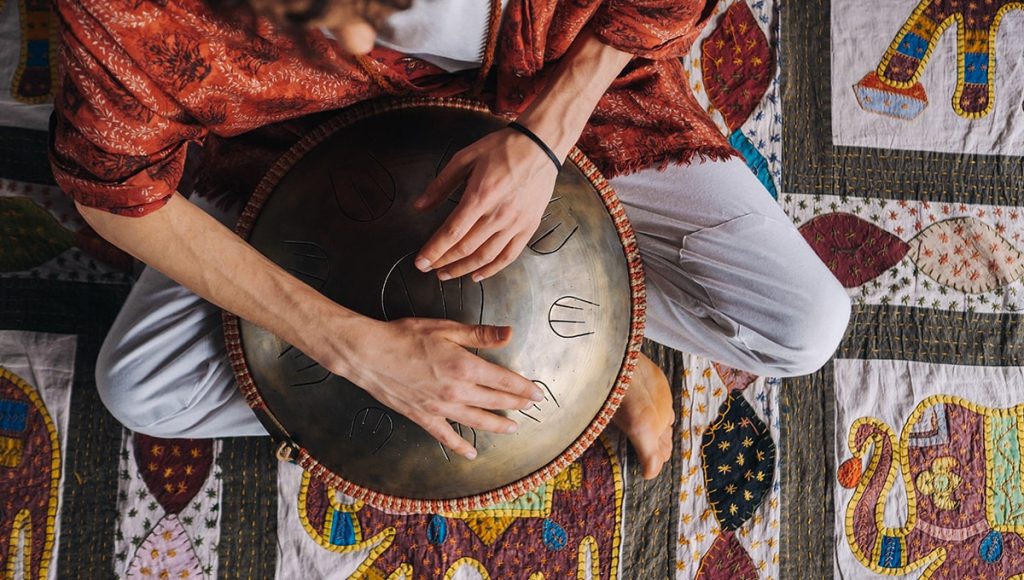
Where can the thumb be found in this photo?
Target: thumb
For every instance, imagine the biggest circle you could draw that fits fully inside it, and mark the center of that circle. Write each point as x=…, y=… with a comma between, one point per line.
x=482, y=336
x=443, y=185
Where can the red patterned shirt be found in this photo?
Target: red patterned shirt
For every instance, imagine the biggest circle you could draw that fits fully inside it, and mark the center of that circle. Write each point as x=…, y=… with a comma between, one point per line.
x=142, y=79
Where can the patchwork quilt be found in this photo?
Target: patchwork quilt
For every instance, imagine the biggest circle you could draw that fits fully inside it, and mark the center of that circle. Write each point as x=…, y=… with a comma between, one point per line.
x=891, y=132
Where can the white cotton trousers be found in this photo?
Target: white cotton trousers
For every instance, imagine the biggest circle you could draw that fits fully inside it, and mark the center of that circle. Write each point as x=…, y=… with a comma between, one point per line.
x=728, y=277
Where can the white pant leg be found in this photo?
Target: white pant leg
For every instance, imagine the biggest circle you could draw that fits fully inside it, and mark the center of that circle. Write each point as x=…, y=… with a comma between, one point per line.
x=728, y=275
x=163, y=367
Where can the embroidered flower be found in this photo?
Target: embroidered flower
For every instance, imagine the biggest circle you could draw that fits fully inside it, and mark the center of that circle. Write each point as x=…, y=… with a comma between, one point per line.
x=940, y=481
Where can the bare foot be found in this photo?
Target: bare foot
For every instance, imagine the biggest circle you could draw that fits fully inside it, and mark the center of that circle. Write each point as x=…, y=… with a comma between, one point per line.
x=646, y=416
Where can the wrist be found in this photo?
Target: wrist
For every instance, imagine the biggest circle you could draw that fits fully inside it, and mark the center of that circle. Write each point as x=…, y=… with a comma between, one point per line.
x=328, y=333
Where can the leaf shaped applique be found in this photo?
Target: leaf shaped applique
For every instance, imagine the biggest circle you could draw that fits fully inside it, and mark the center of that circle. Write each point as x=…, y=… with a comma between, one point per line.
x=727, y=559
x=166, y=553
x=174, y=469
x=855, y=250
x=966, y=254
x=734, y=380
x=737, y=65
x=739, y=461
x=29, y=235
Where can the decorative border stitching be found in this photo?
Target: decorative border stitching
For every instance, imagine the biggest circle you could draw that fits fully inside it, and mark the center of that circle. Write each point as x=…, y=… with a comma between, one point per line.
x=515, y=489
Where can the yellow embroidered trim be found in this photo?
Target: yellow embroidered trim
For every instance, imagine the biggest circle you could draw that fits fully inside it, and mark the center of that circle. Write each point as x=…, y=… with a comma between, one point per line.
x=402, y=572
x=23, y=520
x=536, y=576
x=383, y=540
x=613, y=569
x=23, y=61
x=588, y=545
x=51, y=510
x=962, y=42
x=466, y=561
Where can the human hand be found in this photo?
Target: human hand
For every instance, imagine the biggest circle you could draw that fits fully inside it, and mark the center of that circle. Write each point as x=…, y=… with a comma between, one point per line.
x=430, y=377
x=509, y=181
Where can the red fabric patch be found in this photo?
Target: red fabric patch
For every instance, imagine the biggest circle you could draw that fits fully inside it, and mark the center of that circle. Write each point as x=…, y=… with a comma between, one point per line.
x=727, y=559
x=734, y=380
x=855, y=250
x=737, y=64
x=174, y=469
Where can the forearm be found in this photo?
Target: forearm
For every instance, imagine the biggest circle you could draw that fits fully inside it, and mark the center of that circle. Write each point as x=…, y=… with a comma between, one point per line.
x=192, y=248
x=559, y=114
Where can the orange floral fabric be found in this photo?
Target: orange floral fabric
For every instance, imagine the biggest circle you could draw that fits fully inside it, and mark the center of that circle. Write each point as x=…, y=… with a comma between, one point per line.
x=144, y=79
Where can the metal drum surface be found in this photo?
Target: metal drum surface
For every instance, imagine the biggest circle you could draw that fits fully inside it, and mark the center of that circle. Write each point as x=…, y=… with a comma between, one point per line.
x=336, y=212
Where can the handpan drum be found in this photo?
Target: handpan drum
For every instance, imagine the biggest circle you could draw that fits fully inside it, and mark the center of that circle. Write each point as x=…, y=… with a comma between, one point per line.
x=336, y=211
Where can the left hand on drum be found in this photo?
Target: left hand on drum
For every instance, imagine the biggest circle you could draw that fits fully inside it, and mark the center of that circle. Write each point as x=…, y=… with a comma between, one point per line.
x=509, y=181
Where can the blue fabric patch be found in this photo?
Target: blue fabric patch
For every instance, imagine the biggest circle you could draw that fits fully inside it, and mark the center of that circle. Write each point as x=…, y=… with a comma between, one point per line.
x=892, y=553
x=13, y=415
x=343, y=533
x=38, y=53
x=755, y=161
x=554, y=536
x=437, y=530
x=913, y=46
x=976, y=68
x=991, y=548
x=889, y=103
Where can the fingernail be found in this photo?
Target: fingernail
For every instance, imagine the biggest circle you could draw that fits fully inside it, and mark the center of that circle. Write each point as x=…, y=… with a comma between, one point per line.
x=417, y=203
x=476, y=277
x=444, y=276
x=471, y=454
x=423, y=264
x=512, y=428
x=537, y=395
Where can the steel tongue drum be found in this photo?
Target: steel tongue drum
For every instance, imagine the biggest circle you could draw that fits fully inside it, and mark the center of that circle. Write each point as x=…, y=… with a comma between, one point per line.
x=336, y=211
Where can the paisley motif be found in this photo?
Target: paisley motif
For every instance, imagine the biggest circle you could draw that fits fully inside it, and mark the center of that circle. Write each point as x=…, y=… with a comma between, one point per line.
x=855, y=250
x=737, y=65
x=166, y=553
x=739, y=461
x=966, y=254
x=174, y=469
x=727, y=559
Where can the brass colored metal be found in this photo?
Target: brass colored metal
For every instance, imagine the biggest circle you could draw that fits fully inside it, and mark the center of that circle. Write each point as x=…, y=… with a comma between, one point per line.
x=341, y=220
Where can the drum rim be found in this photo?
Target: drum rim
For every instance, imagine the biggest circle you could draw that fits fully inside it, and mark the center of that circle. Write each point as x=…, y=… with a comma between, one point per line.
x=508, y=492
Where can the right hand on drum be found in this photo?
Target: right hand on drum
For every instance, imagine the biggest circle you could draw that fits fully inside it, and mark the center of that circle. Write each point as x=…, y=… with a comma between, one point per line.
x=422, y=369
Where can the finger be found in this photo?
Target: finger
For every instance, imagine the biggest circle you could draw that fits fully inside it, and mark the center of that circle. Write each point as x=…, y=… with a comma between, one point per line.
x=502, y=379
x=441, y=430
x=504, y=258
x=483, y=420
x=477, y=335
x=442, y=186
x=479, y=236
x=483, y=397
x=481, y=257
x=458, y=224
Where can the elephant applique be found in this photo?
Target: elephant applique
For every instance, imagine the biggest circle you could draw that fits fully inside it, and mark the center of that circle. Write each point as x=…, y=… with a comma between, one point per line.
x=962, y=467
x=895, y=88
